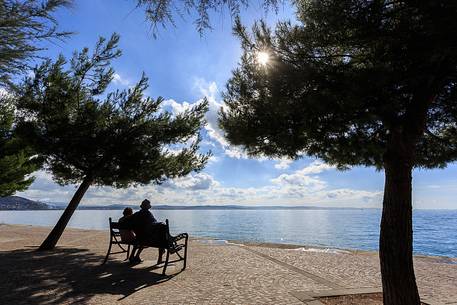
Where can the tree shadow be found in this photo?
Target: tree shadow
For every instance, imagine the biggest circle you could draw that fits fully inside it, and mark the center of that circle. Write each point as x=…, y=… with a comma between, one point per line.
x=68, y=275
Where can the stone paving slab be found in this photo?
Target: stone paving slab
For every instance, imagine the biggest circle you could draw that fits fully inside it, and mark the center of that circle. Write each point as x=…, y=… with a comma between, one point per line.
x=217, y=273
x=436, y=276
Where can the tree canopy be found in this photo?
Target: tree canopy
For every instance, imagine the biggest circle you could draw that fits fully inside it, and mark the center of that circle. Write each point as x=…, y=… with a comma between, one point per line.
x=354, y=82
x=23, y=25
x=116, y=139
x=17, y=161
x=337, y=87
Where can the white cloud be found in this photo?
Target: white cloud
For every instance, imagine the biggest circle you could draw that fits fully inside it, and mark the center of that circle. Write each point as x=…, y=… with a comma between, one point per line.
x=302, y=177
x=283, y=163
x=119, y=80
x=349, y=194
x=216, y=136
x=45, y=189
x=200, y=181
x=311, y=183
x=174, y=107
x=316, y=167
x=302, y=187
x=210, y=91
x=213, y=159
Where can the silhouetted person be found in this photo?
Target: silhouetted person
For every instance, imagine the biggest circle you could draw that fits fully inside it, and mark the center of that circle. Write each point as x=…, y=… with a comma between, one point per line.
x=142, y=223
x=127, y=235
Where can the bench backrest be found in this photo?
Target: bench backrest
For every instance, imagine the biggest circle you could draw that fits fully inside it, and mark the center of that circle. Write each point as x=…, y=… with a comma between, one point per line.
x=160, y=234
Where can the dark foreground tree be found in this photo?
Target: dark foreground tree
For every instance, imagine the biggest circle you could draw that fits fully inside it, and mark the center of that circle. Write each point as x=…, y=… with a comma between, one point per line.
x=23, y=26
x=370, y=83
x=93, y=138
x=17, y=161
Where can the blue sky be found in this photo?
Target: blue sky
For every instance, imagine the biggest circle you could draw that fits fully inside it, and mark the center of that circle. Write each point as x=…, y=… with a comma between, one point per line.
x=183, y=67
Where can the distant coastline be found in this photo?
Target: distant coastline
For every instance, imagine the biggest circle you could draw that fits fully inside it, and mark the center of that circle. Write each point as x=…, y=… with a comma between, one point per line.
x=16, y=203
x=212, y=207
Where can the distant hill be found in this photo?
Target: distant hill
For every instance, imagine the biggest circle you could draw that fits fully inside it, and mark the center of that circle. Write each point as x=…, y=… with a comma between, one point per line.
x=19, y=203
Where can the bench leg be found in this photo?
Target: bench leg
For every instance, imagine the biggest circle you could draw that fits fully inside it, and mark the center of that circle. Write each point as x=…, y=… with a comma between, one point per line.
x=109, y=251
x=185, y=255
x=166, y=262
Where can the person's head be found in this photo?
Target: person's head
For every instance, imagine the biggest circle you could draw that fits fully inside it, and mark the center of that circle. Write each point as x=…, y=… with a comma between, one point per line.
x=127, y=212
x=145, y=204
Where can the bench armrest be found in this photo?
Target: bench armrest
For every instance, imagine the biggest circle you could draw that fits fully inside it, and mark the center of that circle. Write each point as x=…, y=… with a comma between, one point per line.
x=180, y=236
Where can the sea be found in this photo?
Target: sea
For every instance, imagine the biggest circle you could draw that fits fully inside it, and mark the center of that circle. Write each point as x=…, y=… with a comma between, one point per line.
x=435, y=231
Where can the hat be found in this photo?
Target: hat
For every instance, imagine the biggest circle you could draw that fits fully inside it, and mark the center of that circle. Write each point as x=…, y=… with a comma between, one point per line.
x=145, y=204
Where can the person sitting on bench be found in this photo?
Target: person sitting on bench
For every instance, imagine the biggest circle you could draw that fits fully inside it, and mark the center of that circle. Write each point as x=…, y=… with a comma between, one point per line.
x=142, y=224
x=127, y=235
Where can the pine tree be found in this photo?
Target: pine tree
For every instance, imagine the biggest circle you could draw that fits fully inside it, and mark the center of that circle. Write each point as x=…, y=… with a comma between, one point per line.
x=17, y=161
x=92, y=137
x=355, y=83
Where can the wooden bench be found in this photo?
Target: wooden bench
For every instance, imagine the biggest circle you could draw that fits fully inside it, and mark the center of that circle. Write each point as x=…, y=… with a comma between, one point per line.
x=159, y=239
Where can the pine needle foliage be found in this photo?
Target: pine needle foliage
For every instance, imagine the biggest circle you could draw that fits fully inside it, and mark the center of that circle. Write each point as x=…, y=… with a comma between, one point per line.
x=17, y=160
x=341, y=81
x=117, y=138
x=24, y=24
x=163, y=12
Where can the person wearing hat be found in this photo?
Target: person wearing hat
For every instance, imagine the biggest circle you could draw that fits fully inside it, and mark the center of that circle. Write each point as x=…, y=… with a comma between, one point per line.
x=141, y=222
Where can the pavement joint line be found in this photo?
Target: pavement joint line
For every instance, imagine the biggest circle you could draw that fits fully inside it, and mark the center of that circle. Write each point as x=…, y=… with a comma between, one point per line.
x=312, y=297
x=341, y=292
x=307, y=274
x=314, y=302
x=309, y=297
x=428, y=301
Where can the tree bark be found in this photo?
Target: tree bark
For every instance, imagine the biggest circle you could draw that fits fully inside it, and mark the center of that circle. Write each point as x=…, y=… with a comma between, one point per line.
x=50, y=242
x=396, y=238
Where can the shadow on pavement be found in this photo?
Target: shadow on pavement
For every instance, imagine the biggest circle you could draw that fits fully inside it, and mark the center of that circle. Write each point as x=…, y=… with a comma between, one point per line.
x=68, y=275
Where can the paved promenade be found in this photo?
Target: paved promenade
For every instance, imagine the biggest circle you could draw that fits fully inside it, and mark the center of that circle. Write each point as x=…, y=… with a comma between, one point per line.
x=217, y=273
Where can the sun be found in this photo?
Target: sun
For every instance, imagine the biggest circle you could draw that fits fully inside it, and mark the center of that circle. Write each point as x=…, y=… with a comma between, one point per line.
x=263, y=58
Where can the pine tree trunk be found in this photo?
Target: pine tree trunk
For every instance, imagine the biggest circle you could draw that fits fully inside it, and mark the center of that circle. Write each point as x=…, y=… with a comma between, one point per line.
x=50, y=242
x=396, y=239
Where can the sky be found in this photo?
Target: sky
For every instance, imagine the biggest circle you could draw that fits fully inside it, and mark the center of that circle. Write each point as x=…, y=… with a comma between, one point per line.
x=184, y=67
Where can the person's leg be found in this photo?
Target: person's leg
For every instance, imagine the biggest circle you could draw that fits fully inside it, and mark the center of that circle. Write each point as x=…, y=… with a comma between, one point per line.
x=140, y=249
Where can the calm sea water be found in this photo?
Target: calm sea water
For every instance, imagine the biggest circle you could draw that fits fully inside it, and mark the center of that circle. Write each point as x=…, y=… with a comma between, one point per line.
x=435, y=231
